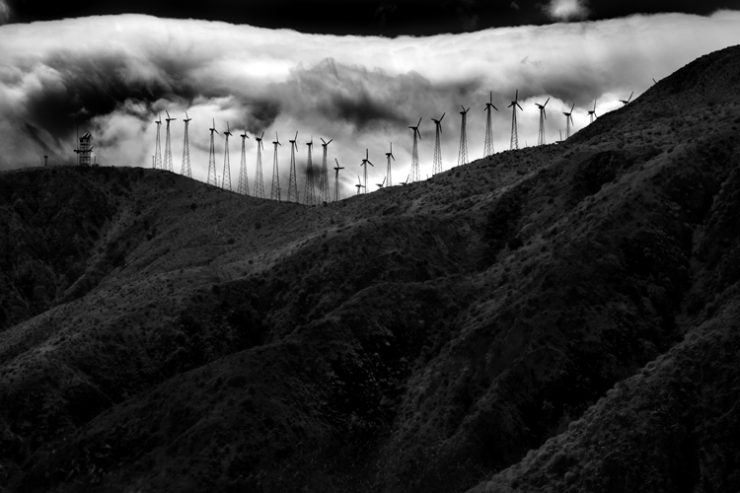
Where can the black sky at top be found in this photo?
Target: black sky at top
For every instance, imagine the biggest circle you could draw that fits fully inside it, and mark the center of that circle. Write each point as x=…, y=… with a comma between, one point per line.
x=364, y=17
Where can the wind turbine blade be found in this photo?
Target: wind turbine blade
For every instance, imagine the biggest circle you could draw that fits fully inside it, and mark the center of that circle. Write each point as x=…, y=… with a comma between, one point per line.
x=418, y=123
x=442, y=117
x=516, y=97
x=572, y=107
x=548, y=100
x=520, y=107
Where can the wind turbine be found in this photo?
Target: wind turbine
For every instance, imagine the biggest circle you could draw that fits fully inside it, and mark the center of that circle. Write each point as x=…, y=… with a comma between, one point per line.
x=415, y=151
x=568, y=120
x=627, y=101
x=324, y=176
x=186, y=169
x=226, y=174
x=462, y=157
x=488, y=142
x=337, y=169
x=382, y=184
x=359, y=185
x=543, y=117
x=275, y=190
x=437, y=161
x=212, y=157
x=243, y=186
x=514, y=130
x=592, y=113
x=364, y=164
x=389, y=156
x=158, y=145
x=309, y=193
x=259, y=183
x=293, y=178
x=167, y=144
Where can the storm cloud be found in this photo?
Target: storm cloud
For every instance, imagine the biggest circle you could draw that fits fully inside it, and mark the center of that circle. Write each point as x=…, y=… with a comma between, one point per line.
x=113, y=75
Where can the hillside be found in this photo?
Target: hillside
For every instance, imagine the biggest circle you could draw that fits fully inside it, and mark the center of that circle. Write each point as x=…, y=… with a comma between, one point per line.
x=560, y=318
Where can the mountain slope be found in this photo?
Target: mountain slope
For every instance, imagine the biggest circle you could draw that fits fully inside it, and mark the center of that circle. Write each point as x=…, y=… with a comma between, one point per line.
x=532, y=321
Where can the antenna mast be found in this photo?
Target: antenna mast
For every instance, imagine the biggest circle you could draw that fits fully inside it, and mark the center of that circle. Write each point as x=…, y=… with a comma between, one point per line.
x=186, y=170
x=462, y=157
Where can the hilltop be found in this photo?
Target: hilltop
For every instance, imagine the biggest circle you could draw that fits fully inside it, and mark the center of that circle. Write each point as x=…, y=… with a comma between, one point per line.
x=560, y=318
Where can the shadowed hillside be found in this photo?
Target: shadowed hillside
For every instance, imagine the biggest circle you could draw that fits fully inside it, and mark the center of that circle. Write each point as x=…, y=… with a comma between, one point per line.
x=560, y=318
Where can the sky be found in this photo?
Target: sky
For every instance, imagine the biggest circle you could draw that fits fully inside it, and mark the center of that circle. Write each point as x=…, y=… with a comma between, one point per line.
x=112, y=73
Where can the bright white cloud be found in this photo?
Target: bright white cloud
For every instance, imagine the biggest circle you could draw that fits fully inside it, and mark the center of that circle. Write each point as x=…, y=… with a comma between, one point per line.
x=567, y=9
x=362, y=91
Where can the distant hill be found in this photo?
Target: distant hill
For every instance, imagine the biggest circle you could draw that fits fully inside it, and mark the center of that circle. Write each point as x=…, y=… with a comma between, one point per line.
x=560, y=318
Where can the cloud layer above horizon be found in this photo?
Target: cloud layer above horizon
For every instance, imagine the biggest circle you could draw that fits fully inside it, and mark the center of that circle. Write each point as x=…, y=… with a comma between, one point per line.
x=114, y=74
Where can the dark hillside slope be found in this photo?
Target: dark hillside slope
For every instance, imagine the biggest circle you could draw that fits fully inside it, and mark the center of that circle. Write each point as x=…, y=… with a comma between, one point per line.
x=538, y=321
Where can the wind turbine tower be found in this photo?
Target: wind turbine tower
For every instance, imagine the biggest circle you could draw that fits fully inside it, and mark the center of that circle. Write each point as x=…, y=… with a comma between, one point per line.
x=543, y=117
x=293, y=177
x=337, y=169
x=259, y=184
x=186, y=170
x=212, y=157
x=167, y=145
x=488, y=142
x=592, y=113
x=388, y=176
x=226, y=174
x=462, y=157
x=275, y=190
x=158, y=145
x=415, y=151
x=309, y=192
x=324, y=176
x=514, y=130
x=364, y=164
x=359, y=185
x=243, y=186
x=568, y=120
x=437, y=160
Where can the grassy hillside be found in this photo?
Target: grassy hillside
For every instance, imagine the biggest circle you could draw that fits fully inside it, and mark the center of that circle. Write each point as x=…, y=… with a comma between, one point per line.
x=553, y=319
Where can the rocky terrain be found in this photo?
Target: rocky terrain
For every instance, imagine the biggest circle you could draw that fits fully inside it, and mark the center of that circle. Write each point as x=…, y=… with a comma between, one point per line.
x=561, y=318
